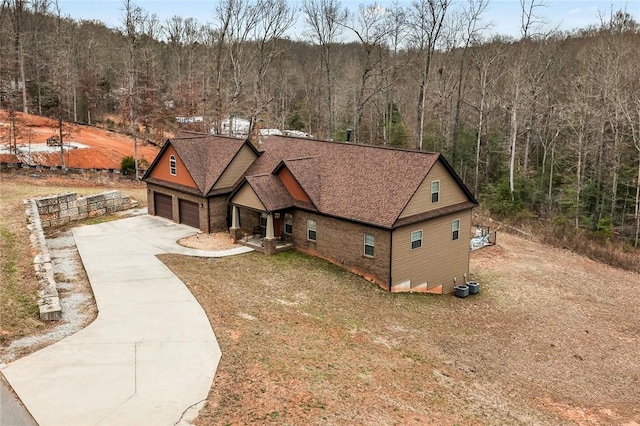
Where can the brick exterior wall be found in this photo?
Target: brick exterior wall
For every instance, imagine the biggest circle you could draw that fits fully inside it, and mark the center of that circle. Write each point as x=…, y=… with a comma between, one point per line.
x=342, y=242
x=248, y=219
x=218, y=211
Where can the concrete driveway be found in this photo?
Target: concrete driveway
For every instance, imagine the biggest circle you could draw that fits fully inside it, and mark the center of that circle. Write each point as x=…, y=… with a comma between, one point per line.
x=150, y=356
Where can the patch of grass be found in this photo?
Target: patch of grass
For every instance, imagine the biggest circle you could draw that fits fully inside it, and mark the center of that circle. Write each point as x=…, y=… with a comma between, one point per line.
x=17, y=304
x=55, y=230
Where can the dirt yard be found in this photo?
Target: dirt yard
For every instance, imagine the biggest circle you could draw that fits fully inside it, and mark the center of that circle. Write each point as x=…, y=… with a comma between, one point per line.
x=551, y=339
x=86, y=147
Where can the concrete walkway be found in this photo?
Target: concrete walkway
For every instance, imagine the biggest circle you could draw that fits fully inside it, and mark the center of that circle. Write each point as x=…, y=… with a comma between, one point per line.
x=150, y=356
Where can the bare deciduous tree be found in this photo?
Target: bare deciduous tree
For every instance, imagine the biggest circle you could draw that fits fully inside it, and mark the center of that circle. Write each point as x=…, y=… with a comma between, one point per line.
x=470, y=29
x=132, y=21
x=325, y=20
x=426, y=18
x=372, y=26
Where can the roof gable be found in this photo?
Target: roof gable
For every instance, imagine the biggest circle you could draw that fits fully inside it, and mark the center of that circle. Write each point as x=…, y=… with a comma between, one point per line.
x=450, y=192
x=307, y=172
x=205, y=157
x=246, y=196
x=236, y=168
x=160, y=169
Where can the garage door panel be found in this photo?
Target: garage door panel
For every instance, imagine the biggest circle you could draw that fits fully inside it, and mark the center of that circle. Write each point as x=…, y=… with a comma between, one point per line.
x=163, y=205
x=189, y=213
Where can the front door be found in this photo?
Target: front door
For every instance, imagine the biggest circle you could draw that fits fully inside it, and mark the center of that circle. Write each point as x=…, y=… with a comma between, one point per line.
x=277, y=225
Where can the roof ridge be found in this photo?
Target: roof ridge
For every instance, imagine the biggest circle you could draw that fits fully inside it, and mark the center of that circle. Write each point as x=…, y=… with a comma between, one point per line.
x=363, y=145
x=309, y=157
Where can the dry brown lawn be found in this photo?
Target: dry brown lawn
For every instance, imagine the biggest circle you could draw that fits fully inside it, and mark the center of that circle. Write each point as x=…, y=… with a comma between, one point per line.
x=553, y=338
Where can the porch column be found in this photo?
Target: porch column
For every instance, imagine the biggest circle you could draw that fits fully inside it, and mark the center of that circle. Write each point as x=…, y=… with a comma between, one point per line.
x=269, y=226
x=235, y=216
x=235, y=233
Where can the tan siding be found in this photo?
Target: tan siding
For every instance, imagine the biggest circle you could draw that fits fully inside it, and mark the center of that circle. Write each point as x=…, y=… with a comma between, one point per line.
x=240, y=163
x=440, y=258
x=246, y=197
x=450, y=192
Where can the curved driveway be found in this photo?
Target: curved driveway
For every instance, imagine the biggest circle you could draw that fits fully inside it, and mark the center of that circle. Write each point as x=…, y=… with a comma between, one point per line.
x=150, y=356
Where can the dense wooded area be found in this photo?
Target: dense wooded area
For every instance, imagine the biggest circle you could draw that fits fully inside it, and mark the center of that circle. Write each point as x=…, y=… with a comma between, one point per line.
x=546, y=125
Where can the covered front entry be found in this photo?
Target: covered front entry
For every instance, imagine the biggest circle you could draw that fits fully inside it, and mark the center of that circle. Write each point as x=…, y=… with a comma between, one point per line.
x=189, y=213
x=260, y=230
x=163, y=205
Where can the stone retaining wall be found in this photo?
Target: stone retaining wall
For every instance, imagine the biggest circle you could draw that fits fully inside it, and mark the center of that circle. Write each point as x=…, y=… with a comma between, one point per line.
x=45, y=212
x=64, y=208
x=49, y=301
x=39, y=167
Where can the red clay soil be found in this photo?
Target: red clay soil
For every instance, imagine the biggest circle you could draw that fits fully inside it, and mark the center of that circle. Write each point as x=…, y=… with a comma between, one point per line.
x=106, y=148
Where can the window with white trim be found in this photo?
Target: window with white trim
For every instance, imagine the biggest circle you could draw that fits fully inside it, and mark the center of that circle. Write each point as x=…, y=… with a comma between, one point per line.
x=455, y=229
x=369, y=244
x=311, y=230
x=435, y=191
x=416, y=239
x=172, y=165
x=288, y=223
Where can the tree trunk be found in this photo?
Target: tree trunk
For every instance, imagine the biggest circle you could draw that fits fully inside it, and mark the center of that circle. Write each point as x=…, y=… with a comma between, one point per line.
x=60, y=133
x=578, y=181
x=420, y=129
x=329, y=97
x=456, y=121
x=637, y=208
x=75, y=102
x=513, y=134
x=479, y=141
x=131, y=116
x=615, y=169
x=553, y=150
x=599, y=202
x=25, y=108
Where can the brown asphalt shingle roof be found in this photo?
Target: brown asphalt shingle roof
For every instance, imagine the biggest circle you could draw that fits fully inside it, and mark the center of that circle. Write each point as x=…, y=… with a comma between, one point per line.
x=206, y=156
x=356, y=182
x=271, y=191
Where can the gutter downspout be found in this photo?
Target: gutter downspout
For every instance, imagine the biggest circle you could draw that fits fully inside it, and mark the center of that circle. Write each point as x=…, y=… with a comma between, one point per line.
x=206, y=200
x=390, y=257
